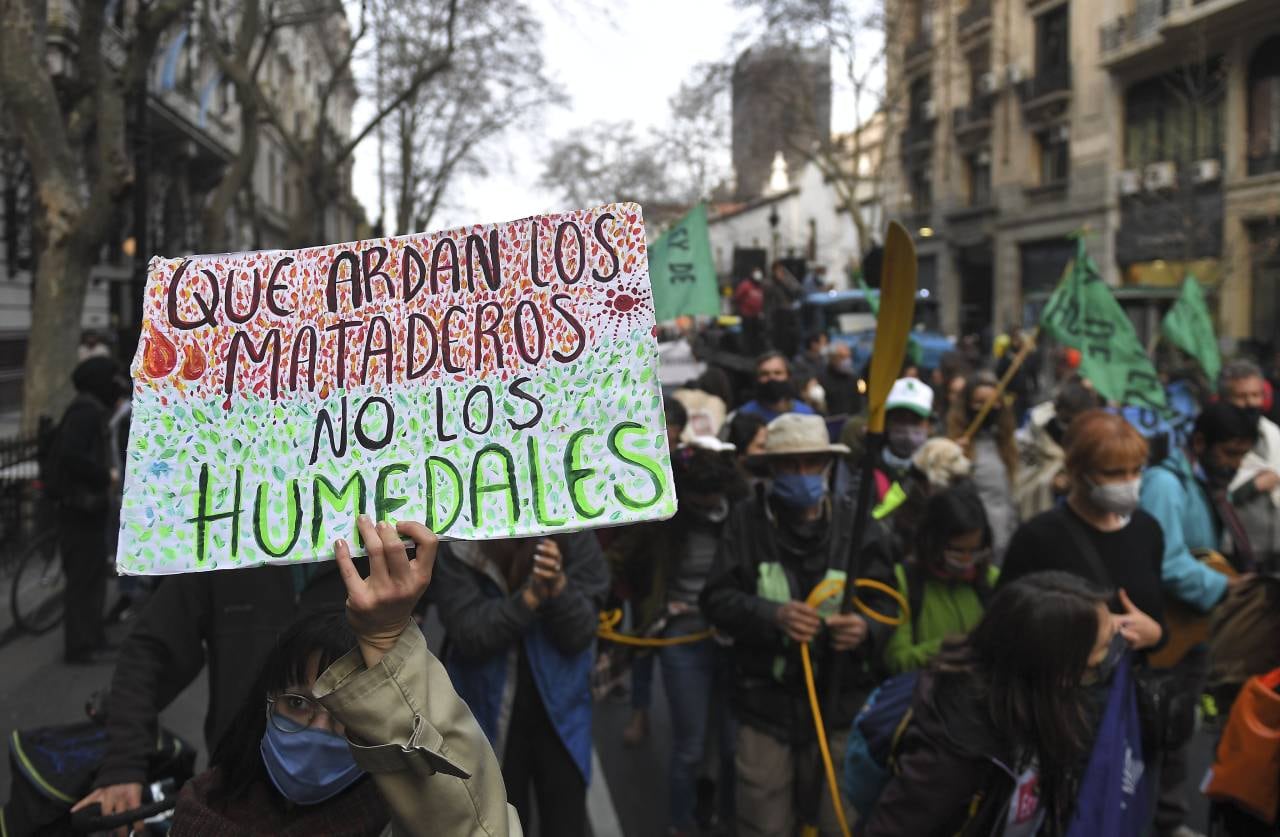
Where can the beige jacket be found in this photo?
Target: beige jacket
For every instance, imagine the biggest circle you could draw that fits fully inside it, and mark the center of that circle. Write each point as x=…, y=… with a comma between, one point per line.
x=409, y=729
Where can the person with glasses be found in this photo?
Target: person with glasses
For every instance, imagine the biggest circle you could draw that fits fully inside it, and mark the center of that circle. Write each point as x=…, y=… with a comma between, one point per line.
x=354, y=727
x=947, y=578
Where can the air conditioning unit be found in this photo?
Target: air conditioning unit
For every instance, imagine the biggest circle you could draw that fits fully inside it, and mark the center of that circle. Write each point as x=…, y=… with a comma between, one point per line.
x=1160, y=176
x=987, y=84
x=1129, y=182
x=929, y=109
x=1207, y=171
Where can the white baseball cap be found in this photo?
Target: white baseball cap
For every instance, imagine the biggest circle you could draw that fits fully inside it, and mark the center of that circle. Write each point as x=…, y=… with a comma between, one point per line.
x=911, y=394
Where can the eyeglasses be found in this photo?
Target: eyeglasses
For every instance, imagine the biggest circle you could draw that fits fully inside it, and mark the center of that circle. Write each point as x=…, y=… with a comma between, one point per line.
x=291, y=712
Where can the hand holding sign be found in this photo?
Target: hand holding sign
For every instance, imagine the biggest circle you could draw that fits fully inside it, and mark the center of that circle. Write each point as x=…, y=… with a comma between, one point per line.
x=381, y=606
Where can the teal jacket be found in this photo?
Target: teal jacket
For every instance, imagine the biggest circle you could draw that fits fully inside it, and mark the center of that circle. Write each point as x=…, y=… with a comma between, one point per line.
x=1173, y=496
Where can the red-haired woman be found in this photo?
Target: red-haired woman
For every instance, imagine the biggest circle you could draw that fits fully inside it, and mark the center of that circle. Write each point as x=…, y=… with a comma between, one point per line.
x=1100, y=533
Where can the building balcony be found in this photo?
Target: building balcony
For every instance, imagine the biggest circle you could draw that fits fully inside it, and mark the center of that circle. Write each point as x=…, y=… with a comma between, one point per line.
x=918, y=133
x=972, y=121
x=1046, y=95
x=975, y=18
x=1267, y=162
x=1135, y=30
x=918, y=48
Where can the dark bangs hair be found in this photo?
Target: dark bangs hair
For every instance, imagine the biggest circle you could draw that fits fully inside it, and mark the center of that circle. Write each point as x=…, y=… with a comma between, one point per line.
x=1029, y=654
x=321, y=631
x=942, y=516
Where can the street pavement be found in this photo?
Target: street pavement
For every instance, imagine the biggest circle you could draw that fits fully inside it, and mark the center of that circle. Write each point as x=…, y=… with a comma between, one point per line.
x=628, y=796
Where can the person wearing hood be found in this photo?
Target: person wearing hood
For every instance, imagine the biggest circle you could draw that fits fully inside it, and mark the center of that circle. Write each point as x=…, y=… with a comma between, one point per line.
x=1003, y=722
x=521, y=617
x=775, y=549
x=775, y=389
x=79, y=477
x=1187, y=493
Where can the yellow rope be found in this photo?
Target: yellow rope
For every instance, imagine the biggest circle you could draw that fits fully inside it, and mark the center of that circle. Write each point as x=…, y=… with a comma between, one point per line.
x=610, y=619
x=827, y=589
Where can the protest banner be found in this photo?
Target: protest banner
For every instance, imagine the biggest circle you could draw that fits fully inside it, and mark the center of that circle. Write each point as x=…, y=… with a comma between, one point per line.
x=493, y=381
x=682, y=272
x=1083, y=314
x=1189, y=326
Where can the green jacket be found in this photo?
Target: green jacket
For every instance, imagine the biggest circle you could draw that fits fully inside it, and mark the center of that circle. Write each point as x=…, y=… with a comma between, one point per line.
x=947, y=610
x=409, y=729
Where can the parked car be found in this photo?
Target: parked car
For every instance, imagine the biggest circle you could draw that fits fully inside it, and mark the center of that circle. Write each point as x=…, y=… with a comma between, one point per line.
x=847, y=316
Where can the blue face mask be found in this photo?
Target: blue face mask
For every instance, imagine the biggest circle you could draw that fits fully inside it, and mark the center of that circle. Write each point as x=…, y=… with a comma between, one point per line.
x=800, y=491
x=308, y=766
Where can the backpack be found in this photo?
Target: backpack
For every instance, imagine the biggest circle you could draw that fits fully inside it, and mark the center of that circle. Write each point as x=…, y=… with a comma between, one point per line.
x=873, y=741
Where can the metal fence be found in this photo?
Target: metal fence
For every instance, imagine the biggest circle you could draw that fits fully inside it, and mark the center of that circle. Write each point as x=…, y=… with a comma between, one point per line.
x=19, y=493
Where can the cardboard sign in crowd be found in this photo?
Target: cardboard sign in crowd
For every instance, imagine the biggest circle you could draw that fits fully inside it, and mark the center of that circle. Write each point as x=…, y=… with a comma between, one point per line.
x=493, y=381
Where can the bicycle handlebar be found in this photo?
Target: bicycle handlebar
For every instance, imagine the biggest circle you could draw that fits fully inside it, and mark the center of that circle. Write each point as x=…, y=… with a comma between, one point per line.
x=90, y=818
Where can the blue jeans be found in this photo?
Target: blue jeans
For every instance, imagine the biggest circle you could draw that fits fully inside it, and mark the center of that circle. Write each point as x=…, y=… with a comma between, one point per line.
x=688, y=672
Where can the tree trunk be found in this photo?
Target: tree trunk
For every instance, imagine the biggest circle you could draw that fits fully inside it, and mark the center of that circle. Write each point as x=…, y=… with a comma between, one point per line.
x=62, y=281
x=234, y=179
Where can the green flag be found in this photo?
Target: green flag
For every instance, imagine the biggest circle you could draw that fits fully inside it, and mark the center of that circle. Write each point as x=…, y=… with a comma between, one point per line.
x=1083, y=314
x=681, y=270
x=873, y=297
x=1189, y=326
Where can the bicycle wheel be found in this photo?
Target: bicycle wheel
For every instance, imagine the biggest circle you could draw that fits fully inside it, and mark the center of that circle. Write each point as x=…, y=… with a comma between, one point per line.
x=36, y=598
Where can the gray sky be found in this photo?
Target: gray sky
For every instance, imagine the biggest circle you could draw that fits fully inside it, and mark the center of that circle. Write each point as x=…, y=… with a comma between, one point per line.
x=589, y=45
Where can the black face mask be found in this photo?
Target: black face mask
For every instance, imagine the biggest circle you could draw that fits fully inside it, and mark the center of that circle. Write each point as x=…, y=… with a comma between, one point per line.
x=1217, y=476
x=773, y=391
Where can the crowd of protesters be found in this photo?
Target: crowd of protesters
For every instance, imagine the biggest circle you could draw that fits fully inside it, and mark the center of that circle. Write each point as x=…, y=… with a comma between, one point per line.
x=1038, y=543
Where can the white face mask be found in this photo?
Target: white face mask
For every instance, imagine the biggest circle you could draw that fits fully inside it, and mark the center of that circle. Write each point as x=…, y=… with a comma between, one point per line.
x=1118, y=497
x=815, y=394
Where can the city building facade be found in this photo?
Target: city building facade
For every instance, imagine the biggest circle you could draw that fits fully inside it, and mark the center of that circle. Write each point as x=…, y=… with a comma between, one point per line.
x=1152, y=127
x=183, y=142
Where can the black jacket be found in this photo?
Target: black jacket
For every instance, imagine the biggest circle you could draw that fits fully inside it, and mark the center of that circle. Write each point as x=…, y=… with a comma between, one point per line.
x=953, y=772
x=229, y=619
x=478, y=625
x=729, y=600
x=80, y=465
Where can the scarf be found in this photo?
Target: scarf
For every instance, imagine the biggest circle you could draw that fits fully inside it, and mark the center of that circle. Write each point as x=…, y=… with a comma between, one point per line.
x=356, y=812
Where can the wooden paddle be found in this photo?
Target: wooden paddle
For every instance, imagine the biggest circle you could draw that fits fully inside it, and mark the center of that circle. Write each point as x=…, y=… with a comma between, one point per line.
x=893, y=327
x=893, y=324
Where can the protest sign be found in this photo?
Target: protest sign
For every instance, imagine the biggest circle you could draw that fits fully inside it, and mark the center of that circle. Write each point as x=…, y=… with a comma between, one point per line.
x=492, y=381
